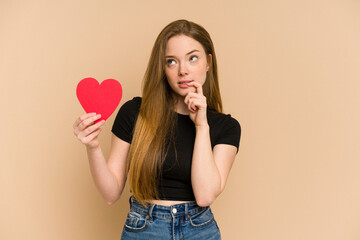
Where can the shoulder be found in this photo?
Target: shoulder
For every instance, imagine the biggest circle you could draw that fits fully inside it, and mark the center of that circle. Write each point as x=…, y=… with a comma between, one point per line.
x=129, y=110
x=217, y=119
x=126, y=118
x=132, y=104
x=224, y=129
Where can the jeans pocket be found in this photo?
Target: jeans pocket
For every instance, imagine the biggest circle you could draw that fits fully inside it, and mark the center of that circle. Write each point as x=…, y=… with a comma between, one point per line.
x=135, y=222
x=202, y=218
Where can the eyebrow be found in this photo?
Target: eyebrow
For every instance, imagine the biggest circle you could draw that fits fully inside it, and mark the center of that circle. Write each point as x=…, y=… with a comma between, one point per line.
x=186, y=54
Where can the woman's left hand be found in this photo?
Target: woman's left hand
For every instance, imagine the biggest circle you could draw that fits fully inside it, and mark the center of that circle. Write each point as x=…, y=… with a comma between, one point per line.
x=196, y=102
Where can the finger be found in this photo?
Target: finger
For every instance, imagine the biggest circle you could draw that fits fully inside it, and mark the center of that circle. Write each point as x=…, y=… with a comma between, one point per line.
x=82, y=118
x=91, y=137
x=89, y=121
x=83, y=129
x=188, y=101
x=94, y=127
x=89, y=130
x=192, y=105
x=197, y=86
x=191, y=95
x=197, y=103
x=191, y=109
x=187, y=98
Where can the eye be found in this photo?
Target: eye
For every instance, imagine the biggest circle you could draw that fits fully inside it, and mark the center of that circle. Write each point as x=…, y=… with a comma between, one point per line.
x=193, y=58
x=170, y=62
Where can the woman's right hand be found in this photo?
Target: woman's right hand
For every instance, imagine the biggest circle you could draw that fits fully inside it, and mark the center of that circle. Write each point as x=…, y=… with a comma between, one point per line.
x=86, y=131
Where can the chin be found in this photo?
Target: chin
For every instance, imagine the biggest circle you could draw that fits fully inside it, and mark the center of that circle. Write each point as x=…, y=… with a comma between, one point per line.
x=182, y=92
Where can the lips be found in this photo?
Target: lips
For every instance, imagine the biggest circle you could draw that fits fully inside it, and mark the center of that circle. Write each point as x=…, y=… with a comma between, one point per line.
x=185, y=81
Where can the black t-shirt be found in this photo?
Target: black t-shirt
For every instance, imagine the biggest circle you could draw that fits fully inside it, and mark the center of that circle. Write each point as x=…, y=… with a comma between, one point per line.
x=175, y=183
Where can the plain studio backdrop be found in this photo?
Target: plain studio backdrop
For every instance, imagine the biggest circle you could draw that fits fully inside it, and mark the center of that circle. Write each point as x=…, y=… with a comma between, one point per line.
x=289, y=73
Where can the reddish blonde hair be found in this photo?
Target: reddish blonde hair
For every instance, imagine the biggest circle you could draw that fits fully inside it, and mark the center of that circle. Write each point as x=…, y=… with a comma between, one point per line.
x=154, y=127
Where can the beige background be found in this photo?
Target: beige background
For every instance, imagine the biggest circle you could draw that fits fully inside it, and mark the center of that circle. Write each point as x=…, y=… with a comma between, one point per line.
x=289, y=72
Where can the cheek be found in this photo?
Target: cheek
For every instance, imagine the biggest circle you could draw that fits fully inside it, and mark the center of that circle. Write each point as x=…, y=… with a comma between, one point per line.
x=169, y=75
x=201, y=72
x=202, y=68
x=171, y=70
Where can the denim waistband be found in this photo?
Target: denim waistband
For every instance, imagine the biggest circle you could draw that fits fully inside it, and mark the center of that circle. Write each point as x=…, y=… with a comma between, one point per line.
x=182, y=209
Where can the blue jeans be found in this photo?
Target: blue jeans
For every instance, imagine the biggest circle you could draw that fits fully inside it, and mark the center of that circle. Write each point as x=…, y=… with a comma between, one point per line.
x=180, y=221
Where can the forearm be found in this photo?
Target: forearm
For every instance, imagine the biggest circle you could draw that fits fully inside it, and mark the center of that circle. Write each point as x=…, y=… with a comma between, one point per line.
x=104, y=179
x=205, y=176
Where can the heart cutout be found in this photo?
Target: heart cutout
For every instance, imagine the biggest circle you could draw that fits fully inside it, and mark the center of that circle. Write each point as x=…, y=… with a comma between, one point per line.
x=99, y=98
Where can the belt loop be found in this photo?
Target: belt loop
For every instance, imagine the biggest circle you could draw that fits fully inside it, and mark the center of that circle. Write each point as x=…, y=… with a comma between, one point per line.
x=187, y=216
x=151, y=208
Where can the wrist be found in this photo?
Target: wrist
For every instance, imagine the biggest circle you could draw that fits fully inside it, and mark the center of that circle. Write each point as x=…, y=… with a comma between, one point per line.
x=92, y=148
x=202, y=127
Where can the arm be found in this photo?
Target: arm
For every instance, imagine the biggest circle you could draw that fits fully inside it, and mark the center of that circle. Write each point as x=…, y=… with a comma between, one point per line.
x=110, y=176
x=210, y=168
x=205, y=175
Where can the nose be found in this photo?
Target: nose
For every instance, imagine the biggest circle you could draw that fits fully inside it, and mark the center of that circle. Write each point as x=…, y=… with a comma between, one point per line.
x=183, y=69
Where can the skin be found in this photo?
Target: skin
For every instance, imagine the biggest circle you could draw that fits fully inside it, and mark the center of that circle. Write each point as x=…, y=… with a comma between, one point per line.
x=185, y=60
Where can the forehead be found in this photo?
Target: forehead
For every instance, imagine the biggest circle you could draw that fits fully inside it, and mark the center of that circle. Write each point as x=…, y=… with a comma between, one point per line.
x=180, y=45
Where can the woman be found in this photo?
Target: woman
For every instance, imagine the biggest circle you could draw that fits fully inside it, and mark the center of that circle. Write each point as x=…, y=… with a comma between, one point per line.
x=174, y=145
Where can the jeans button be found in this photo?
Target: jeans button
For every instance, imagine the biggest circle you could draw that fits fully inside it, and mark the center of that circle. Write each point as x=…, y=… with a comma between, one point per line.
x=174, y=210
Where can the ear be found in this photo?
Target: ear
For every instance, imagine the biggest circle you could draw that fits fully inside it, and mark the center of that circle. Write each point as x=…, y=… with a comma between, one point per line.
x=209, y=62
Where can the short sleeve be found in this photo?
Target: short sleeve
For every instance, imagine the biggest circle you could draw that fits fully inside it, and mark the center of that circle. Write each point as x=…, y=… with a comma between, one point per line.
x=230, y=132
x=125, y=120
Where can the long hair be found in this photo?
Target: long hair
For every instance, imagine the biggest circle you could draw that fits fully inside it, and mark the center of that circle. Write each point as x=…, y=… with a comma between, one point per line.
x=154, y=128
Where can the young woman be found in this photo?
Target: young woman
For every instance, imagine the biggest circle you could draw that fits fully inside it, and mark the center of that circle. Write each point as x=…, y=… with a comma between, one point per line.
x=174, y=145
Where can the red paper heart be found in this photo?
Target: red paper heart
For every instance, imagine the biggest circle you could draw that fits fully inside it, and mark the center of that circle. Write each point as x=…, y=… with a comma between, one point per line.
x=99, y=98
